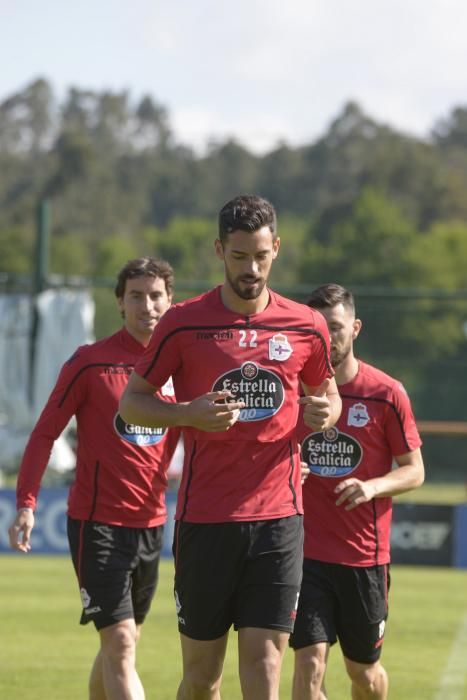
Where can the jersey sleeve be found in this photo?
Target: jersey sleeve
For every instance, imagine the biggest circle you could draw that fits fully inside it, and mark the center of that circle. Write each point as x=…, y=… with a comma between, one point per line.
x=318, y=366
x=62, y=404
x=401, y=428
x=161, y=359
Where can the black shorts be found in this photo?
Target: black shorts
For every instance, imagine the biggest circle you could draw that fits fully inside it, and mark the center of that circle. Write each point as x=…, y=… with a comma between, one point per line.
x=242, y=573
x=117, y=569
x=345, y=603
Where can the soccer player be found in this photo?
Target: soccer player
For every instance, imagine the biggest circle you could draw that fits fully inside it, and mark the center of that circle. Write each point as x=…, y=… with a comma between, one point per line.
x=116, y=506
x=348, y=508
x=237, y=355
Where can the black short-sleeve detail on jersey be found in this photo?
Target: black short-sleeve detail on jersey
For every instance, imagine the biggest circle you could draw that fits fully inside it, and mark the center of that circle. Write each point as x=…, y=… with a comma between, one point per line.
x=379, y=400
x=375, y=521
x=240, y=326
x=190, y=477
x=292, y=466
x=95, y=490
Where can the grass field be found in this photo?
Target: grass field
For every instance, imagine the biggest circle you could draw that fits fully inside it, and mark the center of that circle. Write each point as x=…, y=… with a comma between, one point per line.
x=46, y=655
x=439, y=493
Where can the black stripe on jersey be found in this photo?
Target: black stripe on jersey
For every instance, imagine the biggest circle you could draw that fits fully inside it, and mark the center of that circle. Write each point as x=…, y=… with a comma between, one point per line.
x=386, y=401
x=91, y=366
x=376, y=530
x=248, y=326
x=190, y=477
x=294, y=494
x=96, y=484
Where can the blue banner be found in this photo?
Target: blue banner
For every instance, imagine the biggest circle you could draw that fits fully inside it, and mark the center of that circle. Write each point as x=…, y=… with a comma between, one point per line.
x=49, y=533
x=421, y=534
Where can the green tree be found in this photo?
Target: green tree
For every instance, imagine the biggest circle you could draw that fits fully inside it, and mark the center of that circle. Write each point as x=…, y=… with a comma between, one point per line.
x=27, y=119
x=452, y=131
x=360, y=244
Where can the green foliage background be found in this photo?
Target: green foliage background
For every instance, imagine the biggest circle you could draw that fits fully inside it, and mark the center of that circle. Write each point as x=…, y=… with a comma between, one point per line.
x=369, y=207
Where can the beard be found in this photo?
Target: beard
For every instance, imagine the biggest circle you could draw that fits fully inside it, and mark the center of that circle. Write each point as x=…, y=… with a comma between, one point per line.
x=246, y=292
x=338, y=356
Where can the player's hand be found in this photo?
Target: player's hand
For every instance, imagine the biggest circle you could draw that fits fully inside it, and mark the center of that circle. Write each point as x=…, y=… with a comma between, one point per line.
x=214, y=412
x=353, y=492
x=317, y=411
x=20, y=530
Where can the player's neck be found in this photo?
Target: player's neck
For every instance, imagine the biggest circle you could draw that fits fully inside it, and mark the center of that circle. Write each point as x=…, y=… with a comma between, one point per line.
x=246, y=307
x=141, y=338
x=347, y=370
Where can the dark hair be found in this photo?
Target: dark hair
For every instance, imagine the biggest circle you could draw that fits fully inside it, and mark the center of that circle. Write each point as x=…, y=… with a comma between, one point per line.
x=247, y=212
x=329, y=295
x=145, y=267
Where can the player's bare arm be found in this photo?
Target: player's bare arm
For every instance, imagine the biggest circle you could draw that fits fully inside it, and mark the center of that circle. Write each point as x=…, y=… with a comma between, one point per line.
x=409, y=474
x=323, y=405
x=20, y=530
x=211, y=412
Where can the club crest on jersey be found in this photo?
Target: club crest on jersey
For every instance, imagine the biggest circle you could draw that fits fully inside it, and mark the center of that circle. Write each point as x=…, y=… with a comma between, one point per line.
x=260, y=389
x=279, y=347
x=331, y=453
x=138, y=435
x=358, y=415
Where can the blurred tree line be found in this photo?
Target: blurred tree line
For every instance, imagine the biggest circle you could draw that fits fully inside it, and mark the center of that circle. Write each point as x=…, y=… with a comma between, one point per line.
x=379, y=211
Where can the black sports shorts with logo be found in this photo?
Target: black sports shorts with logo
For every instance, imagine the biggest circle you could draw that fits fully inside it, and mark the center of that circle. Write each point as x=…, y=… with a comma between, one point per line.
x=242, y=573
x=117, y=569
x=345, y=603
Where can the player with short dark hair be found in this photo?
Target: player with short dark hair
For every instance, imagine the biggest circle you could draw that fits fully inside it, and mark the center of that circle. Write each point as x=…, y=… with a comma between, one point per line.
x=145, y=267
x=348, y=508
x=237, y=355
x=116, y=505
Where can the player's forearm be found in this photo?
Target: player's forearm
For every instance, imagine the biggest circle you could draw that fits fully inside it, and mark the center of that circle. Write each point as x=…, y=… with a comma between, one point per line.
x=150, y=411
x=399, y=480
x=33, y=465
x=335, y=402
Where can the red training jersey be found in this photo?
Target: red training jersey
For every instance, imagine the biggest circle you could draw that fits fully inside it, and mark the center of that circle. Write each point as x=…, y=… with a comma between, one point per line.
x=251, y=472
x=120, y=468
x=376, y=424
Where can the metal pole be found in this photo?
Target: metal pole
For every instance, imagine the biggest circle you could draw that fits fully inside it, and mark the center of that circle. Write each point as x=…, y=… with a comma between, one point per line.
x=41, y=272
x=42, y=246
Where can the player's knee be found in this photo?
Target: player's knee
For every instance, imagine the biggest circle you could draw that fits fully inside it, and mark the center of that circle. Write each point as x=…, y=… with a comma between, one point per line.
x=309, y=669
x=118, y=641
x=199, y=686
x=366, y=678
x=265, y=665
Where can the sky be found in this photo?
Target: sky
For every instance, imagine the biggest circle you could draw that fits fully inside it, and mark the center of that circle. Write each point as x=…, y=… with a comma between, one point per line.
x=259, y=71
